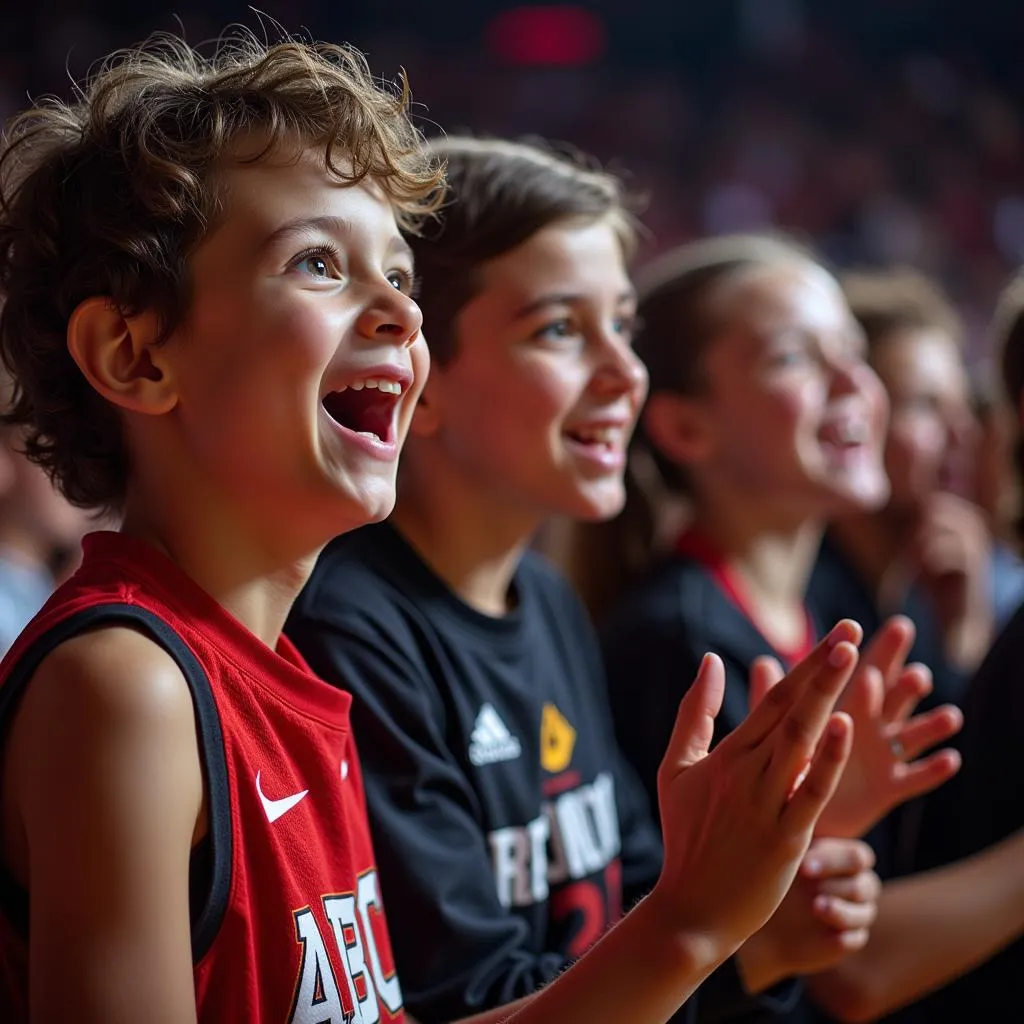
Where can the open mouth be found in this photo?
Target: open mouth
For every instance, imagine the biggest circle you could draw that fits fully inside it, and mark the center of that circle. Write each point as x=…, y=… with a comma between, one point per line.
x=596, y=438
x=366, y=407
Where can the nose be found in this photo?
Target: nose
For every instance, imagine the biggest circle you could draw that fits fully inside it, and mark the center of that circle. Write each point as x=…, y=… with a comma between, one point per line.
x=620, y=370
x=390, y=313
x=848, y=374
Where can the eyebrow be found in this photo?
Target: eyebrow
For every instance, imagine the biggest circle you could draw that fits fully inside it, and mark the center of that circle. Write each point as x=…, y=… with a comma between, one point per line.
x=565, y=299
x=335, y=226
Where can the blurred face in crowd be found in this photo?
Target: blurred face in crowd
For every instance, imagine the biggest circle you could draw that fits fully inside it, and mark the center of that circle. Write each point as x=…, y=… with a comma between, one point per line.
x=35, y=520
x=537, y=406
x=931, y=428
x=790, y=419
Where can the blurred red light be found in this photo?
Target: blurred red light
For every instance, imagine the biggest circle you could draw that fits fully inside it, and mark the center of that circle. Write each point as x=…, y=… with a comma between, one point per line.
x=556, y=36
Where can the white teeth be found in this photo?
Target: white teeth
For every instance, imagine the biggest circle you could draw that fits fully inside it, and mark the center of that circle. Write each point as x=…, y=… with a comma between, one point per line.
x=596, y=435
x=391, y=387
x=850, y=432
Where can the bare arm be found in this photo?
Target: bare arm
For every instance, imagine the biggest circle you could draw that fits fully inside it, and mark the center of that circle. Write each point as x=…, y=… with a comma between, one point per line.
x=103, y=785
x=931, y=928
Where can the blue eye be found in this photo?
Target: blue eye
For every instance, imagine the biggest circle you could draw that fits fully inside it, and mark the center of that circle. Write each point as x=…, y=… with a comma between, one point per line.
x=403, y=281
x=557, y=330
x=314, y=265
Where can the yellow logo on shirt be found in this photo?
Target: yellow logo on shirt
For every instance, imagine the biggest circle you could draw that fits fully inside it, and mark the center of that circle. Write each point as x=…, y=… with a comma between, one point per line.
x=557, y=740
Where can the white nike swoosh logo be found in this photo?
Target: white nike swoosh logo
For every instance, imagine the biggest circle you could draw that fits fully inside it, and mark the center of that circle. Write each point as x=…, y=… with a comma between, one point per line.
x=275, y=808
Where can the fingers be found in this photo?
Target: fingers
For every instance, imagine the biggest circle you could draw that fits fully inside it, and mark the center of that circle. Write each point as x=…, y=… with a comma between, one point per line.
x=923, y=776
x=765, y=673
x=695, y=721
x=889, y=648
x=864, y=698
x=844, y=915
x=830, y=858
x=913, y=684
x=784, y=696
x=864, y=887
x=798, y=735
x=807, y=803
x=929, y=729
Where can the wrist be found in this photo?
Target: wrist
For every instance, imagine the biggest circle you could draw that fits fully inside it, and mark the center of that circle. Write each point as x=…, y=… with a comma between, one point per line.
x=664, y=926
x=757, y=965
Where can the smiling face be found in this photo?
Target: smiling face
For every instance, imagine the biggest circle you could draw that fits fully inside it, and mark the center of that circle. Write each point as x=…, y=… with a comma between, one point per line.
x=537, y=406
x=790, y=417
x=932, y=429
x=300, y=360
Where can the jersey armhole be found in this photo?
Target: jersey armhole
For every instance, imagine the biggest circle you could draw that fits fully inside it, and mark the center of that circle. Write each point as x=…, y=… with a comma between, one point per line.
x=218, y=853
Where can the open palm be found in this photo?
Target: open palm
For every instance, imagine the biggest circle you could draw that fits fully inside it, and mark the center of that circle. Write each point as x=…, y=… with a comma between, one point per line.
x=885, y=767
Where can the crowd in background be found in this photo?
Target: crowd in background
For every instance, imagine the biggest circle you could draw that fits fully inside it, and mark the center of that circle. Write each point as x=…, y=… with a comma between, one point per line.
x=878, y=147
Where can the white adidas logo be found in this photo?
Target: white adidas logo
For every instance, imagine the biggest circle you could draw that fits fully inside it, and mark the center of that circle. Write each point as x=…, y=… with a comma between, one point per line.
x=490, y=740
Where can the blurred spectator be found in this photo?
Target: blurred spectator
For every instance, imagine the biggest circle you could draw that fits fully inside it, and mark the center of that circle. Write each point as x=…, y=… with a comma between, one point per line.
x=39, y=538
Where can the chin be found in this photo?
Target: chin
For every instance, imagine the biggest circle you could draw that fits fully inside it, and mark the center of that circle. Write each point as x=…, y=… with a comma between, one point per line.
x=598, y=504
x=366, y=505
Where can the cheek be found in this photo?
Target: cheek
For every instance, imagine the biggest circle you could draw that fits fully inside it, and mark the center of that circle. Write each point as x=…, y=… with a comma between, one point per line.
x=530, y=399
x=915, y=438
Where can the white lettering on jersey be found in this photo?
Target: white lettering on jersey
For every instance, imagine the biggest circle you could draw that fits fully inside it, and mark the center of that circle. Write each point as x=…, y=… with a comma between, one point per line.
x=576, y=835
x=319, y=998
x=368, y=898
x=341, y=912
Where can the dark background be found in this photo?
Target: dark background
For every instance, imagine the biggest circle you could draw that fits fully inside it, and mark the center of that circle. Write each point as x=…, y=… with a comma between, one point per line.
x=888, y=131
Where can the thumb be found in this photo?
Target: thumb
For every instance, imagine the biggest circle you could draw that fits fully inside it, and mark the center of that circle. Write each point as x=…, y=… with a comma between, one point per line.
x=695, y=722
x=765, y=673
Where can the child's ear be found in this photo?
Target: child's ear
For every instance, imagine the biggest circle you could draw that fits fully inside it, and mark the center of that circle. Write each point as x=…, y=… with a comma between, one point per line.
x=120, y=356
x=676, y=426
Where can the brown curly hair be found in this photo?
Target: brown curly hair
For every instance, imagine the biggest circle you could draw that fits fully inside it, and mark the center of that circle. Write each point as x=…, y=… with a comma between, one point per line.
x=109, y=195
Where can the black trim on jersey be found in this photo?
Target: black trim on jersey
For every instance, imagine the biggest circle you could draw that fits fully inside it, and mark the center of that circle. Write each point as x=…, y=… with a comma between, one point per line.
x=13, y=898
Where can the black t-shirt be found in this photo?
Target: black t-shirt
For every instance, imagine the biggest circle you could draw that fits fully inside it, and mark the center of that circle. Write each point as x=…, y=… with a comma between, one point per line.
x=983, y=804
x=653, y=644
x=508, y=829
x=836, y=591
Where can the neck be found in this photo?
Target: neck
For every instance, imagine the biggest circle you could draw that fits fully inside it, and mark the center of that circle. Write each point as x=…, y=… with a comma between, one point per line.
x=243, y=565
x=474, y=542
x=773, y=553
x=876, y=543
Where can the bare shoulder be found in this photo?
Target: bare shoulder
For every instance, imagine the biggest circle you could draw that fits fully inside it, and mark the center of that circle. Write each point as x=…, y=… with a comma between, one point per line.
x=107, y=721
x=114, y=677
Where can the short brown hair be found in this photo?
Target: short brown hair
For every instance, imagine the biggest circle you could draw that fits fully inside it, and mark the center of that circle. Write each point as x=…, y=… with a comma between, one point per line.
x=887, y=302
x=110, y=195
x=499, y=194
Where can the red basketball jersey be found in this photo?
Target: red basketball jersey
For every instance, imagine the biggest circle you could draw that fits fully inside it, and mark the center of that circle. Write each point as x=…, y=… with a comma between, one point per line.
x=287, y=920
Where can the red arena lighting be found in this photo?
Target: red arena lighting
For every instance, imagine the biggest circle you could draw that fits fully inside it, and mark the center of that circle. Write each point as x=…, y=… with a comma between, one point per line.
x=556, y=36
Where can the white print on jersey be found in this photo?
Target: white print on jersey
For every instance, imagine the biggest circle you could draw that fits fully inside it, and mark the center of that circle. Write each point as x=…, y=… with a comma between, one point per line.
x=275, y=808
x=490, y=740
x=319, y=999
x=576, y=835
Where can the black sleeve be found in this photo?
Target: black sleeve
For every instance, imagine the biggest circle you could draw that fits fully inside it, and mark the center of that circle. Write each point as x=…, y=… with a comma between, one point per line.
x=458, y=950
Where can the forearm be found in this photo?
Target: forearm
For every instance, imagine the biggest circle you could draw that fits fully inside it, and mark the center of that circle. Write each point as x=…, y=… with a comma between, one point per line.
x=931, y=928
x=642, y=970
